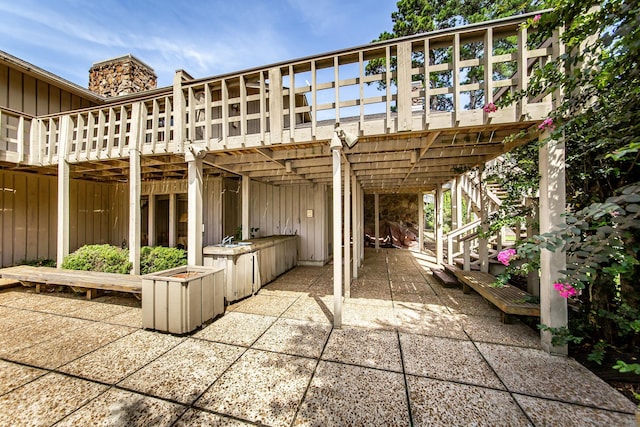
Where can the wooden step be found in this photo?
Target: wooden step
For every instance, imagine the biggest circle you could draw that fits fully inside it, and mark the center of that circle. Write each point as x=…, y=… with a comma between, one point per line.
x=444, y=279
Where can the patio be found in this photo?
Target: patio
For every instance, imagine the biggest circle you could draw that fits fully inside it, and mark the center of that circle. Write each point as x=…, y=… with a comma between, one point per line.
x=410, y=353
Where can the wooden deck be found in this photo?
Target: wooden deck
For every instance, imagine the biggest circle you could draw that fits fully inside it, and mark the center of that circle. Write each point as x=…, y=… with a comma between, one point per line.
x=509, y=299
x=89, y=281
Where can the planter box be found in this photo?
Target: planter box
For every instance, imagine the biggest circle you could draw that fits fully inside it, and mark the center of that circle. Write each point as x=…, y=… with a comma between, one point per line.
x=181, y=299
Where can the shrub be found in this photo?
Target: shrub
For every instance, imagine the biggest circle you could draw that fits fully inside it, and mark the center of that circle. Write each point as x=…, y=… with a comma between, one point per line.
x=39, y=262
x=160, y=258
x=105, y=258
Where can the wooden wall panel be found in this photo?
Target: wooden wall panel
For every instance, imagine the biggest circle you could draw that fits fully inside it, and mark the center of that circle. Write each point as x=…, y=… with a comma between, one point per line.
x=20, y=218
x=7, y=220
x=45, y=210
x=54, y=99
x=33, y=211
x=42, y=98
x=29, y=102
x=4, y=85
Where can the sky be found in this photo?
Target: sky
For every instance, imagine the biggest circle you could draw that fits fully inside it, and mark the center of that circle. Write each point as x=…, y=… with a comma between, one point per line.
x=205, y=38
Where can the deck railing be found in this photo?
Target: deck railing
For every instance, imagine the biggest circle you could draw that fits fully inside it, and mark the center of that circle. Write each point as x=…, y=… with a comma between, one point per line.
x=300, y=100
x=14, y=135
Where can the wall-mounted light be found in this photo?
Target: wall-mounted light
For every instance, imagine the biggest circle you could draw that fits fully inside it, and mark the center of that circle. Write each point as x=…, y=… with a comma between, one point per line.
x=340, y=136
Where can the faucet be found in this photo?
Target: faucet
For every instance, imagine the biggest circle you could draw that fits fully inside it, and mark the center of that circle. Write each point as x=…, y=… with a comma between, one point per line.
x=227, y=240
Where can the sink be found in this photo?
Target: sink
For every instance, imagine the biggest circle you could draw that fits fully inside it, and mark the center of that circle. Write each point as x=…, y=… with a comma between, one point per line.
x=233, y=245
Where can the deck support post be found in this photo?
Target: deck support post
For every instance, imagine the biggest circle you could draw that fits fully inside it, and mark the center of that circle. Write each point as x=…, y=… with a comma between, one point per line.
x=173, y=220
x=195, y=227
x=483, y=250
x=456, y=210
x=347, y=229
x=246, y=203
x=135, y=185
x=376, y=209
x=337, y=238
x=151, y=221
x=356, y=220
x=439, y=216
x=420, y=222
x=134, y=209
x=361, y=232
x=63, y=191
x=553, y=308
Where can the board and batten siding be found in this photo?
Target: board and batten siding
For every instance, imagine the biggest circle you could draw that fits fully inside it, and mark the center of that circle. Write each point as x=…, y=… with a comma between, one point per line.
x=29, y=215
x=285, y=209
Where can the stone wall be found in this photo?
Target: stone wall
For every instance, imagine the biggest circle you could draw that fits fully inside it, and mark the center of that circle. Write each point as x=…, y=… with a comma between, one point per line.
x=121, y=76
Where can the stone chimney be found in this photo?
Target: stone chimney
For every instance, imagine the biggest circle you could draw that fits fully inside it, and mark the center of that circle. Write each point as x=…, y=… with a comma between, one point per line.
x=121, y=76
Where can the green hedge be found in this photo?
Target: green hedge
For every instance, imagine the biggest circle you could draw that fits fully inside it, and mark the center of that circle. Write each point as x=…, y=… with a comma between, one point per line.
x=158, y=258
x=112, y=259
x=105, y=258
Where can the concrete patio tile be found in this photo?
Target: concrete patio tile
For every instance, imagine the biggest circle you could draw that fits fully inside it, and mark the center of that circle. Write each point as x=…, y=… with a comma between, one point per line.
x=296, y=337
x=62, y=306
x=10, y=295
x=549, y=413
x=372, y=293
x=123, y=408
x=260, y=387
x=64, y=348
x=313, y=309
x=236, y=328
x=99, y=311
x=344, y=395
x=16, y=318
x=419, y=286
x=473, y=305
x=375, y=349
x=115, y=361
x=425, y=322
x=127, y=300
x=13, y=375
x=366, y=315
x=132, y=318
x=46, y=400
x=536, y=373
x=284, y=287
x=407, y=298
x=429, y=303
x=184, y=372
x=446, y=359
x=30, y=301
x=442, y=403
x=321, y=288
x=42, y=327
x=491, y=329
x=193, y=417
x=265, y=305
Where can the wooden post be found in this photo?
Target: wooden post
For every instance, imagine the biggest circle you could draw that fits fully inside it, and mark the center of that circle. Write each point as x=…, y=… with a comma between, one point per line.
x=456, y=210
x=151, y=221
x=195, y=228
x=439, y=216
x=420, y=222
x=275, y=106
x=347, y=229
x=63, y=189
x=483, y=250
x=134, y=188
x=403, y=72
x=179, y=116
x=376, y=210
x=246, y=203
x=355, y=221
x=361, y=234
x=173, y=220
x=553, y=308
x=337, y=238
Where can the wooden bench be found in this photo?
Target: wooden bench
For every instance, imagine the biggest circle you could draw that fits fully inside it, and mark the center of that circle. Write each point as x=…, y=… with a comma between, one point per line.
x=87, y=281
x=509, y=299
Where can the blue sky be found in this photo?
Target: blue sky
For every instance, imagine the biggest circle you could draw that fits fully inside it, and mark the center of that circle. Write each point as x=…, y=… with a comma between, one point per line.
x=205, y=38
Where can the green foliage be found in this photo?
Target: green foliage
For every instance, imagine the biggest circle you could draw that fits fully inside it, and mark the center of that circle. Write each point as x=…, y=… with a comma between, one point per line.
x=158, y=258
x=624, y=367
x=105, y=258
x=418, y=16
x=561, y=336
x=39, y=262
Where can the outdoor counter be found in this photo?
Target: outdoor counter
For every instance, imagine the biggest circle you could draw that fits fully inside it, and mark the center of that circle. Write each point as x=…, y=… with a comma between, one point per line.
x=251, y=264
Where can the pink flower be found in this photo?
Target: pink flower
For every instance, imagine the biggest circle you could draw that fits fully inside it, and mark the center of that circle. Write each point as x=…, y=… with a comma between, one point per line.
x=547, y=124
x=565, y=290
x=506, y=256
x=490, y=108
x=537, y=18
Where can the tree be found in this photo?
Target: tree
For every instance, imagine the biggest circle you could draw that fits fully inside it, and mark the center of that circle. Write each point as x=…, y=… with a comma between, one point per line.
x=599, y=119
x=418, y=16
